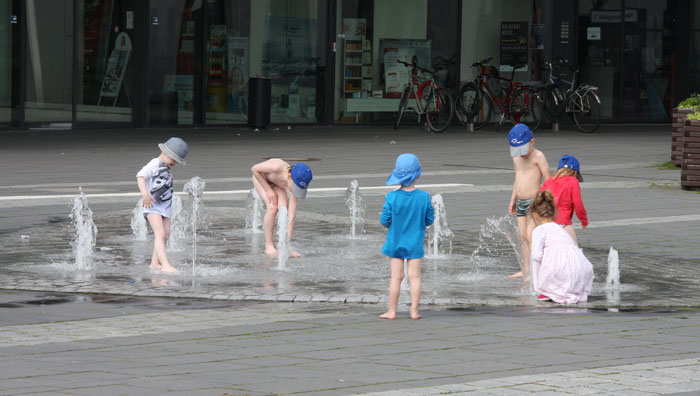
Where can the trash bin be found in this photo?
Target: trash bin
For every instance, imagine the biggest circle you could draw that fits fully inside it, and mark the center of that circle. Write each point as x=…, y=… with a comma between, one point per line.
x=259, y=102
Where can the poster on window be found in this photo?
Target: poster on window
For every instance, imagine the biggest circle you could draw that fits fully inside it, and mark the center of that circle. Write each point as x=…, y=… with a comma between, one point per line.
x=396, y=74
x=514, y=38
x=354, y=28
x=289, y=51
x=238, y=73
x=116, y=66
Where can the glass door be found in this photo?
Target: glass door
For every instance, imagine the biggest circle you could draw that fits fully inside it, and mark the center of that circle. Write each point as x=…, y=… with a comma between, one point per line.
x=227, y=61
x=49, y=94
x=171, y=51
x=5, y=63
x=105, y=61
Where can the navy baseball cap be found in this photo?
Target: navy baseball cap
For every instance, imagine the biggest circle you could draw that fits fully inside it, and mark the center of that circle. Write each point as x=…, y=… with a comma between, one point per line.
x=571, y=162
x=519, y=139
x=301, y=175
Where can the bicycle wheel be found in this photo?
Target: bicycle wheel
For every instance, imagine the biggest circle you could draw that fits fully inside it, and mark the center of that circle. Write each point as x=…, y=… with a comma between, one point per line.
x=525, y=108
x=403, y=103
x=485, y=112
x=469, y=99
x=586, y=112
x=439, y=109
x=543, y=95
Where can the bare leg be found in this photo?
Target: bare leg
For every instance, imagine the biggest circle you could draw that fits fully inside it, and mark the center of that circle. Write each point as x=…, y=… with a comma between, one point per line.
x=414, y=279
x=526, y=263
x=525, y=248
x=161, y=230
x=394, y=287
x=269, y=220
x=570, y=229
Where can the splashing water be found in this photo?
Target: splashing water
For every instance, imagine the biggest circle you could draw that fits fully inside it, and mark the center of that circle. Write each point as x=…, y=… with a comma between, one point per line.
x=356, y=205
x=255, y=212
x=494, y=227
x=138, y=223
x=178, y=225
x=85, y=232
x=613, y=279
x=282, y=238
x=195, y=189
x=439, y=234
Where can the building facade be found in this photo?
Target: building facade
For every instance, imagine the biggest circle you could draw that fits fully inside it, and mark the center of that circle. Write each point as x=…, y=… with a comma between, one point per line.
x=155, y=63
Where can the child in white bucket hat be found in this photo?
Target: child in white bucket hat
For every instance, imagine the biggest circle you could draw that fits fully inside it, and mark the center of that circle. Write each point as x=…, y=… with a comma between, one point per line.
x=406, y=213
x=155, y=181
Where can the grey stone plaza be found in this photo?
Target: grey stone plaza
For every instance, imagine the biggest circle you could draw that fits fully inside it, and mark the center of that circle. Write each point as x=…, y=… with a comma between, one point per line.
x=234, y=323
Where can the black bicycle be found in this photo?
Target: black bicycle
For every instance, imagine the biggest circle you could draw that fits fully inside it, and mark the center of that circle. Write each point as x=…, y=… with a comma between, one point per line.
x=580, y=101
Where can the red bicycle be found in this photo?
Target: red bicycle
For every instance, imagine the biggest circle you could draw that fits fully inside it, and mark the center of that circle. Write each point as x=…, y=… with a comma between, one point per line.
x=429, y=99
x=515, y=100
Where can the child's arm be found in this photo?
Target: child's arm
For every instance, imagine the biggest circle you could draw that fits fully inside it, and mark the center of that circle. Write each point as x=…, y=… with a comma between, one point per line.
x=147, y=202
x=537, y=248
x=259, y=172
x=514, y=195
x=429, y=214
x=578, y=204
x=291, y=214
x=544, y=166
x=385, y=218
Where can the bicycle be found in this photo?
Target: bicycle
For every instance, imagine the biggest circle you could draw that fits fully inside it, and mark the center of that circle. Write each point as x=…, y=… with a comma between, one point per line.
x=581, y=102
x=431, y=100
x=516, y=101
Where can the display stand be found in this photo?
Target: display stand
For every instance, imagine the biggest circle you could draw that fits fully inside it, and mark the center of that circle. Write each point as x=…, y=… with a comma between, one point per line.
x=116, y=67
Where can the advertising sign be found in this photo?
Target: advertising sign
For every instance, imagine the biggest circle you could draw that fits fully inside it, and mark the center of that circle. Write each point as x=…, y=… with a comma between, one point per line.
x=514, y=37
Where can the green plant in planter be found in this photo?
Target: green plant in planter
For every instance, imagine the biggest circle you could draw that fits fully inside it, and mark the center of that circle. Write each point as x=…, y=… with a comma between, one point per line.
x=695, y=116
x=692, y=101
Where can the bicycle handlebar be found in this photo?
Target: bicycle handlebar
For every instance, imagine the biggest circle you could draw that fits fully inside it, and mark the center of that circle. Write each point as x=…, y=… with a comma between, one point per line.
x=415, y=66
x=482, y=62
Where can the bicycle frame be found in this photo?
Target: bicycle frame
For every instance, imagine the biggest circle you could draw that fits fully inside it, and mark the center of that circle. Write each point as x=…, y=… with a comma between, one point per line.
x=417, y=89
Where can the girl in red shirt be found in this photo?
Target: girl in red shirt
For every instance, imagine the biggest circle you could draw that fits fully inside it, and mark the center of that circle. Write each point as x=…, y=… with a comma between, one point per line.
x=565, y=188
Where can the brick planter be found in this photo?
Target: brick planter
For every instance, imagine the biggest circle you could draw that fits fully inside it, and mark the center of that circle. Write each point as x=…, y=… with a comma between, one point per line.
x=677, y=126
x=690, y=168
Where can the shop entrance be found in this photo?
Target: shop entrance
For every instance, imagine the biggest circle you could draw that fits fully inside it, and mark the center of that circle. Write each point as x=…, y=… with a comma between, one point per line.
x=625, y=49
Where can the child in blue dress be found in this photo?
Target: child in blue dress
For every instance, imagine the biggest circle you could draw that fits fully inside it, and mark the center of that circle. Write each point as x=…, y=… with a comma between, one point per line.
x=406, y=213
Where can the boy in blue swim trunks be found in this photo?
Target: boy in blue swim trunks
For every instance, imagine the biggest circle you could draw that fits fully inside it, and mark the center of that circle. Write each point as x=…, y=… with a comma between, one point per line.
x=530, y=169
x=406, y=213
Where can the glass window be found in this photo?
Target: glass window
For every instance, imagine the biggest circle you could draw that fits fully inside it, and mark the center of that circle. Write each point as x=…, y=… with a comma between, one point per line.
x=171, y=56
x=5, y=62
x=228, y=61
x=49, y=95
x=105, y=60
x=288, y=56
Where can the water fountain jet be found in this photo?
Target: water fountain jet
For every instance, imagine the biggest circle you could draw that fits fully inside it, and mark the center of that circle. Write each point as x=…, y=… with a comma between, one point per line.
x=85, y=237
x=356, y=205
x=255, y=212
x=282, y=237
x=439, y=234
x=138, y=223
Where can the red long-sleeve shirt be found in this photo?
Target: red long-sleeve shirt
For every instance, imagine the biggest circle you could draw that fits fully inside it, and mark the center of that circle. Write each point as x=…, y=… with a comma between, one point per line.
x=567, y=199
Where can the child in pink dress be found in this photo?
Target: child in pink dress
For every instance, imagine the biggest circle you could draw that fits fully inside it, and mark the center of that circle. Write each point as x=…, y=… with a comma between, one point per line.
x=560, y=270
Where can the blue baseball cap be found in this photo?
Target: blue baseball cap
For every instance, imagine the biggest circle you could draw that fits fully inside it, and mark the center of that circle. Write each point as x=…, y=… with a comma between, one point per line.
x=519, y=139
x=571, y=162
x=406, y=171
x=301, y=175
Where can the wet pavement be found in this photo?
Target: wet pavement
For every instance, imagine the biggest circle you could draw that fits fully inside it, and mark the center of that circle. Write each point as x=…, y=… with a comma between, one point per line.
x=233, y=322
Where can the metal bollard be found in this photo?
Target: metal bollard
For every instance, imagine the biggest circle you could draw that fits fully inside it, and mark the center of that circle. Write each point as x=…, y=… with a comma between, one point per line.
x=470, y=127
x=555, y=127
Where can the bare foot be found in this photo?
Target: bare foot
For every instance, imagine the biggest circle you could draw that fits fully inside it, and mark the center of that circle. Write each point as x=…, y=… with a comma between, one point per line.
x=155, y=267
x=294, y=254
x=415, y=316
x=169, y=269
x=388, y=315
x=518, y=274
x=527, y=280
x=270, y=251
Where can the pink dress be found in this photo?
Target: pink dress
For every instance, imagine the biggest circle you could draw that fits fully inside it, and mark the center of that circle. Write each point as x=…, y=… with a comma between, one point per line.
x=560, y=270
